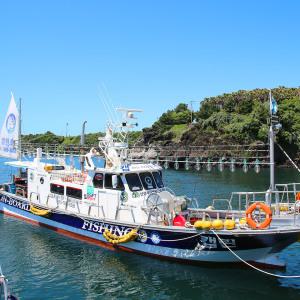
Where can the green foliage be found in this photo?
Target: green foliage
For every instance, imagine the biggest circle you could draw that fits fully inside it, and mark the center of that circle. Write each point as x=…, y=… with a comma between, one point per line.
x=181, y=107
x=161, y=131
x=43, y=138
x=240, y=117
x=90, y=138
x=207, y=109
x=289, y=113
x=135, y=137
x=177, y=131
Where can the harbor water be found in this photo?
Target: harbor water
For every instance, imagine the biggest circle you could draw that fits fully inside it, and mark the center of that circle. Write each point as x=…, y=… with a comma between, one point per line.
x=41, y=264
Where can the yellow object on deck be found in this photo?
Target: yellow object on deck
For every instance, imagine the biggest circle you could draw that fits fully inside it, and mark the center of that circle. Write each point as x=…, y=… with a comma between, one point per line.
x=206, y=225
x=284, y=208
x=229, y=224
x=115, y=239
x=198, y=224
x=217, y=224
x=38, y=211
x=242, y=221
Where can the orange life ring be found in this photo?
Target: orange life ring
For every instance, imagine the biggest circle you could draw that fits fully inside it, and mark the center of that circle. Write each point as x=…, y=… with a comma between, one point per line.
x=298, y=196
x=249, y=218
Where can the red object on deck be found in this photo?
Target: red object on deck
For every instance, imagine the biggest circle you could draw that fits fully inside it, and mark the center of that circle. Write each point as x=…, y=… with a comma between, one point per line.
x=179, y=220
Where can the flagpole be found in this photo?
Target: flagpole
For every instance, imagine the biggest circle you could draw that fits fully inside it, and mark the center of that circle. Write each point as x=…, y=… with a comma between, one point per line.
x=20, y=130
x=271, y=145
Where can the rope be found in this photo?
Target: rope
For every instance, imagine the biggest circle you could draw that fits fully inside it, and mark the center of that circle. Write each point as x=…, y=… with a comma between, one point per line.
x=252, y=266
x=293, y=163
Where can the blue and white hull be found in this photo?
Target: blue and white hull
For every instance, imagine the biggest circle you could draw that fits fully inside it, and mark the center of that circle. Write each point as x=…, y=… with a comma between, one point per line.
x=161, y=241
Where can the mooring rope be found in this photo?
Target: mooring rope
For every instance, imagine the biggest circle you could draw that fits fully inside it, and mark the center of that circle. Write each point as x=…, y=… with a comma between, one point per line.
x=252, y=266
x=293, y=163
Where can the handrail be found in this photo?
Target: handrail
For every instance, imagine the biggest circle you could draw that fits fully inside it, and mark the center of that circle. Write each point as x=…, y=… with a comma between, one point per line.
x=285, y=196
x=222, y=199
x=37, y=194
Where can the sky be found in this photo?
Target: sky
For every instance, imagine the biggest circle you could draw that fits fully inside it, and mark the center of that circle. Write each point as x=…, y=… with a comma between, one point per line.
x=65, y=59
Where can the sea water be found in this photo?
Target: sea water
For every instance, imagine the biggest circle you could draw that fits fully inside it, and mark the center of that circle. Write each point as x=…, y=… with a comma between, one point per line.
x=41, y=264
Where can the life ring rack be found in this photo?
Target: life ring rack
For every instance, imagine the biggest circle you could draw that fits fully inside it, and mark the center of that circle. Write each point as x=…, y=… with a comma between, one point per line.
x=249, y=218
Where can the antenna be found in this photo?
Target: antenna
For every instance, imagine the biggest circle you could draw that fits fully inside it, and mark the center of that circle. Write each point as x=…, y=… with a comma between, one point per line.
x=126, y=125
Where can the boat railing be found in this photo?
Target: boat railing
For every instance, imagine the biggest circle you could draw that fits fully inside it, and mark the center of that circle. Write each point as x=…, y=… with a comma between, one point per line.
x=21, y=191
x=222, y=200
x=167, y=189
x=289, y=190
x=125, y=207
x=37, y=196
x=68, y=200
x=280, y=200
x=100, y=206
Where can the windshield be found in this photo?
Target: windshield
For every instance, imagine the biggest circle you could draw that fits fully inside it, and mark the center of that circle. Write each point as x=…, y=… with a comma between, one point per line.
x=158, y=179
x=109, y=183
x=134, y=182
x=147, y=181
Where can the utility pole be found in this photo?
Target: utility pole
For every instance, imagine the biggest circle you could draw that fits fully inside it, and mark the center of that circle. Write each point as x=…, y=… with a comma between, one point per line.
x=192, y=110
x=67, y=127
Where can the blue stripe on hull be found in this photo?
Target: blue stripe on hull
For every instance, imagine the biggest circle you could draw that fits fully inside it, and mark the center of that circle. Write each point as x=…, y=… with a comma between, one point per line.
x=204, y=247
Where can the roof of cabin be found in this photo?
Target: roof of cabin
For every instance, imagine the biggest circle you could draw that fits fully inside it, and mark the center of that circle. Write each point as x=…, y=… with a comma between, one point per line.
x=131, y=168
x=21, y=164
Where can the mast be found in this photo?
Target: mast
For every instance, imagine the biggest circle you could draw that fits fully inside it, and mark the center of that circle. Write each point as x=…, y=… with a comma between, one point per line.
x=20, y=130
x=271, y=145
x=275, y=126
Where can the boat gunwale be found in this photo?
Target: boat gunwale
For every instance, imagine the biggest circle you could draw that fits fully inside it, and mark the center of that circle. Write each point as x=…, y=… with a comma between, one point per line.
x=176, y=229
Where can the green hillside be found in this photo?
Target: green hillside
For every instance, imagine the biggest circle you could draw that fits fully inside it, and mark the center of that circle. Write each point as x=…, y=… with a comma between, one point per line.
x=240, y=118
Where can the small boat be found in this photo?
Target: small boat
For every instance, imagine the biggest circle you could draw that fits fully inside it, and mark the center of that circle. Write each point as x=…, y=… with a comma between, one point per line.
x=5, y=293
x=126, y=206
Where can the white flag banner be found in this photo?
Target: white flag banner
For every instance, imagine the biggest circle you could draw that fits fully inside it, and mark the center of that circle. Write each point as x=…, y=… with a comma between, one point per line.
x=9, y=137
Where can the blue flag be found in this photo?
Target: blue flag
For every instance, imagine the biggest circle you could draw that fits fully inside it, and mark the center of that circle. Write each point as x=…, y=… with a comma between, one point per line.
x=273, y=106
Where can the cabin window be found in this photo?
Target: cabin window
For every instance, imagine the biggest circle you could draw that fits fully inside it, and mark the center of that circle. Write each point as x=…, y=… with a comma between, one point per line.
x=158, y=179
x=108, y=182
x=147, y=181
x=74, y=193
x=57, y=189
x=98, y=181
x=134, y=182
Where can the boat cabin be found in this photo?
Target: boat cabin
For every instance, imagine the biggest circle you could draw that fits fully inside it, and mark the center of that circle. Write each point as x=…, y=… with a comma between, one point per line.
x=130, y=193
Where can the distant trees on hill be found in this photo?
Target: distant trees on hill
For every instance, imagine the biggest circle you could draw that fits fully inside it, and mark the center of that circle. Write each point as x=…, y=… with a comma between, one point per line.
x=240, y=117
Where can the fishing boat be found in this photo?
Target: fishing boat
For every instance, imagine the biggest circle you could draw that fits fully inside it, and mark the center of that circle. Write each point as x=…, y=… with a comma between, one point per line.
x=5, y=293
x=125, y=205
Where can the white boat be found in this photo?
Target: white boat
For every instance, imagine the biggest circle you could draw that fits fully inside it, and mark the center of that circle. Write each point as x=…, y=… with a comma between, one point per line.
x=5, y=293
x=126, y=206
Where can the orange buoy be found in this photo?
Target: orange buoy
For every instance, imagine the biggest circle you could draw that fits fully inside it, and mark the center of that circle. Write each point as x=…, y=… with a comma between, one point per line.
x=298, y=196
x=249, y=218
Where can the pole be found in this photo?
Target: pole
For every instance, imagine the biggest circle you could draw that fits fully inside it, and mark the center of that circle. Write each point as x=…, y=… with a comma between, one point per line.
x=272, y=164
x=191, y=112
x=82, y=133
x=20, y=131
x=67, y=124
x=271, y=142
